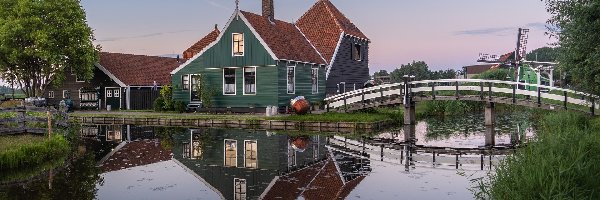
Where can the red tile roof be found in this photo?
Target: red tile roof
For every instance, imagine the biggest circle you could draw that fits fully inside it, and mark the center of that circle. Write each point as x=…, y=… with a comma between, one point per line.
x=291, y=185
x=284, y=39
x=478, y=69
x=323, y=24
x=201, y=44
x=139, y=70
x=136, y=153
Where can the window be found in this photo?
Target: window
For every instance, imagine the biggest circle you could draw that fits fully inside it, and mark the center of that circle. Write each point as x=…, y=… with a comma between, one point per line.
x=77, y=79
x=357, y=52
x=238, y=44
x=315, y=80
x=250, y=154
x=117, y=93
x=195, y=81
x=291, y=80
x=249, y=80
x=185, y=82
x=108, y=93
x=230, y=153
x=239, y=187
x=196, y=146
x=65, y=94
x=229, y=81
x=50, y=94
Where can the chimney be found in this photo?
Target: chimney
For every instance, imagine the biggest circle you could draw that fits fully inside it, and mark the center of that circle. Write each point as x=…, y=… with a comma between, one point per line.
x=268, y=10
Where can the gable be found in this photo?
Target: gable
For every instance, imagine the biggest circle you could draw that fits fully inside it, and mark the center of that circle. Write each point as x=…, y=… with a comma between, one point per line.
x=325, y=26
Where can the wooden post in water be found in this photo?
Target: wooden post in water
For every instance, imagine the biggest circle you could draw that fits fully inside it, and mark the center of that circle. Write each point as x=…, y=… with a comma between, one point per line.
x=49, y=114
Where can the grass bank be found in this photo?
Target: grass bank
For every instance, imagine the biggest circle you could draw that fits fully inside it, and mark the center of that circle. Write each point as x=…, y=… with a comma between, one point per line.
x=372, y=115
x=27, y=150
x=561, y=163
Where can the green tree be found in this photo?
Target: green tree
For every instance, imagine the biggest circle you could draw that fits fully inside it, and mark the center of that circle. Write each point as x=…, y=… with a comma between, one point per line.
x=205, y=91
x=40, y=40
x=576, y=25
x=544, y=54
x=419, y=69
x=381, y=73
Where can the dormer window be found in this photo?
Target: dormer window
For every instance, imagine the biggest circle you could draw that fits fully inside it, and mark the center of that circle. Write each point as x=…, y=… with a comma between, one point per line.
x=357, y=52
x=238, y=44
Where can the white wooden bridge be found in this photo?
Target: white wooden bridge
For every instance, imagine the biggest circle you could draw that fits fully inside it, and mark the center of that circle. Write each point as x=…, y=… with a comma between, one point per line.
x=490, y=91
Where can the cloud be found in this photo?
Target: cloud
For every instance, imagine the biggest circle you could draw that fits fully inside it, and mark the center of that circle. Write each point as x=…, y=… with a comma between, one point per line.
x=501, y=31
x=215, y=4
x=115, y=39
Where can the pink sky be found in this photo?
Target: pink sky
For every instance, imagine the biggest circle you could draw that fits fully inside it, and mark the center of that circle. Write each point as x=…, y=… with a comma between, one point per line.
x=445, y=34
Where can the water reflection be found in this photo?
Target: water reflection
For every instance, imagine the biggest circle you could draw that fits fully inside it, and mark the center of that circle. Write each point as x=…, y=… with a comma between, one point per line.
x=133, y=162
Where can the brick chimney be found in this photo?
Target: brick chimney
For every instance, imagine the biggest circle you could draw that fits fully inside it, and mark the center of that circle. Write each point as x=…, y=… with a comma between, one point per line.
x=268, y=9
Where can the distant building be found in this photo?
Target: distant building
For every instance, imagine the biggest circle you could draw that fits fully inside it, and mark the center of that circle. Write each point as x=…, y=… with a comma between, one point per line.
x=473, y=70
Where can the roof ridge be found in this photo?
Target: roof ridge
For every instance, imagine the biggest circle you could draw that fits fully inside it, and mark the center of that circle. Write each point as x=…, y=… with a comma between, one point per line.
x=337, y=22
x=311, y=44
x=129, y=54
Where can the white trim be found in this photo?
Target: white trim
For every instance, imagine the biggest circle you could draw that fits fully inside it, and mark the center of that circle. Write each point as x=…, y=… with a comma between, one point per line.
x=105, y=96
x=182, y=84
x=235, y=14
x=78, y=81
x=264, y=193
x=117, y=93
x=255, y=142
x=337, y=48
x=128, y=99
x=287, y=81
x=311, y=85
x=245, y=187
x=63, y=94
x=225, y=152
x=234, y=81
x=192, y=88
x=233, y=44
x=110, y=75
x=257, y=36
x=51, y=94
x=311, y=44
x=255, y=80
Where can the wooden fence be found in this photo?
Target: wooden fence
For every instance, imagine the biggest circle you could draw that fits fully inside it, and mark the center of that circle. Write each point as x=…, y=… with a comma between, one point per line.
x=21, y=122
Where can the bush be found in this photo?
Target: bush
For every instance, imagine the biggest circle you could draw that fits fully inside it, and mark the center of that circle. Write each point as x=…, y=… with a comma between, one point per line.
x=561, y=163
x=159, y=104
x=179, y=106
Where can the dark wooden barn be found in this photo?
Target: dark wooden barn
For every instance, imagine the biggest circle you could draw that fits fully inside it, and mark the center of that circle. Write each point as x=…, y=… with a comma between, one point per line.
x=121, y=81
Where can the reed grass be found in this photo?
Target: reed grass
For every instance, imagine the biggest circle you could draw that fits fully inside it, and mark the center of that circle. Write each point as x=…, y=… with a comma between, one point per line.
x=563, y=162
x=26, y=151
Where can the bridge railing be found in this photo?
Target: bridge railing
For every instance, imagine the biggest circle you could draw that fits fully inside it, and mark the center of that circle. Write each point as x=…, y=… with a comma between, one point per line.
x=513, y=92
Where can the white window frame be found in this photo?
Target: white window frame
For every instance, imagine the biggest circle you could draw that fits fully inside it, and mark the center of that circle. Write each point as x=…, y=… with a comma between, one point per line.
x=77, y=80
x=225, y=152
x=243, y=52
x=243, y=196
x=117, y=93
x=50, y=94
x=256, y=143
x=109, y=93
x=183, y=85
x=287, y=80
x=65, y=93
x=311, y=84
x=255, y=80
x=234, y=81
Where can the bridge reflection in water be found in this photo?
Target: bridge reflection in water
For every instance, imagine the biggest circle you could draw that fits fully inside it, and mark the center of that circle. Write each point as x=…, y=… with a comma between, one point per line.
x=254, y=164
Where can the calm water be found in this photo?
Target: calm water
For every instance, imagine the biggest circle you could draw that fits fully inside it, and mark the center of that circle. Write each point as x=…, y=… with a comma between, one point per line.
x=436, y=159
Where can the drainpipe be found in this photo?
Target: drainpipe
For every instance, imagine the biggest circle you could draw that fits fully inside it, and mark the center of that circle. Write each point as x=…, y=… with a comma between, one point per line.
x=128, y=97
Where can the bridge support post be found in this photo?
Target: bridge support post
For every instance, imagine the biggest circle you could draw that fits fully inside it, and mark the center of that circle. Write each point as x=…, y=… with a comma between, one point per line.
x=490, y=136
x=409, y=133
x=490, y=114
x=409, y=114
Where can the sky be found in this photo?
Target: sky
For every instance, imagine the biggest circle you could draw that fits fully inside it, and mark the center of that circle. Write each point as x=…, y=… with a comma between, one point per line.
x=444, y=34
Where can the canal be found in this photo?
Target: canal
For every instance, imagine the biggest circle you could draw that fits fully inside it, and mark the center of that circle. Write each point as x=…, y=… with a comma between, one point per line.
x=439, y=158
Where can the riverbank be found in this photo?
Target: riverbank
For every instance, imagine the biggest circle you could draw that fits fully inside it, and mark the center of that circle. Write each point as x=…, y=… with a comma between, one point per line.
x=27, y=150
x=561, y=163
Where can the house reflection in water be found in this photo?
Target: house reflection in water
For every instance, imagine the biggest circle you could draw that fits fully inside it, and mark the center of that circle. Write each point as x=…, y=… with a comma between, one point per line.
x=241, y=164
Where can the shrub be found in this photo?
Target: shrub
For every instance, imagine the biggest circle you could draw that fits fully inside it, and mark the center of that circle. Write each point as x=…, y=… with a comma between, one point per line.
x=167, y=96
x=159, y=104
x=561, y=163
x=179, y=106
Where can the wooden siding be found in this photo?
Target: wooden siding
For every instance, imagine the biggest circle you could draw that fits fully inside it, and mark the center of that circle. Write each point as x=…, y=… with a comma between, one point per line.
x=99, y=80
x=303, y=83
x=346, y=69
x=142, y=98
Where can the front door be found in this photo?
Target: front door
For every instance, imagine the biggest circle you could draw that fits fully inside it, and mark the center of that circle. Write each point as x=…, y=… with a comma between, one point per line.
x=194, y=78
x=113, y=97
x=342, y=87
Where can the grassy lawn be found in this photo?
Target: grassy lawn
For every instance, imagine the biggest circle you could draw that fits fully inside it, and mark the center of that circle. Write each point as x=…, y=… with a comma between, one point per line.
x=365, y=116
x=10, y=142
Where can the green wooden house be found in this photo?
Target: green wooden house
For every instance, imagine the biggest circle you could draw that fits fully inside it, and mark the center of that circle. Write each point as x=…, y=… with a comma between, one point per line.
x=255, y=61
